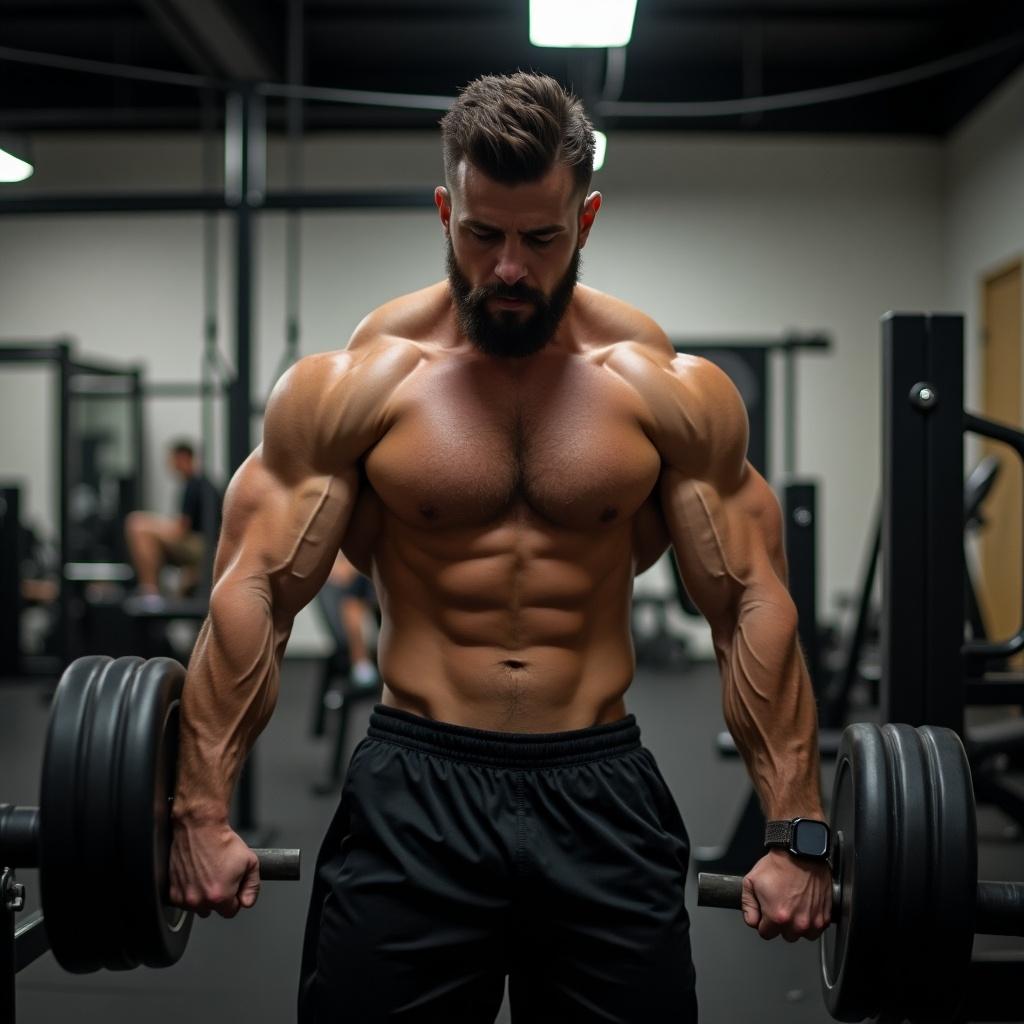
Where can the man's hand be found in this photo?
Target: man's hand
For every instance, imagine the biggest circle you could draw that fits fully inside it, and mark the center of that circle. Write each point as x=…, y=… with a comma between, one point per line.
x=212, y=870
x=785, y=896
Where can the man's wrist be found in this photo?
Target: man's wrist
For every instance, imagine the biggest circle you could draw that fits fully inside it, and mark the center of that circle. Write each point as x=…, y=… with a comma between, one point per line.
x=806, y=838
x=210, y=814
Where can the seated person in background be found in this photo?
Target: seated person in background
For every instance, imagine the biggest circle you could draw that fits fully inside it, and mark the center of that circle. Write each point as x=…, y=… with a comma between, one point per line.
x=155, y=541
x=354, y=596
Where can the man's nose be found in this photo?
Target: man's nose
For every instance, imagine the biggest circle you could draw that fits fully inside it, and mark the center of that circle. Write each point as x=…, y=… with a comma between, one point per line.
x=510, y=268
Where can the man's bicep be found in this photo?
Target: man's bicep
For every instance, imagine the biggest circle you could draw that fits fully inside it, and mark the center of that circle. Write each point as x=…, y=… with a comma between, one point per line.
x=727, y=540
x=283, y=532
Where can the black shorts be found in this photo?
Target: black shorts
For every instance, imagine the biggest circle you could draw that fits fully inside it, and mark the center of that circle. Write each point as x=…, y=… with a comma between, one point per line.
x=459, y=856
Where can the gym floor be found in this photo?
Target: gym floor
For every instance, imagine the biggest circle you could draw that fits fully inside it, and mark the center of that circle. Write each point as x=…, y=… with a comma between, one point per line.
x=247, y=968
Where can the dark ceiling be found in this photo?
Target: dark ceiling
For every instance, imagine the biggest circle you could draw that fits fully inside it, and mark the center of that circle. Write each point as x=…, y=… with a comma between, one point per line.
x=682, y=50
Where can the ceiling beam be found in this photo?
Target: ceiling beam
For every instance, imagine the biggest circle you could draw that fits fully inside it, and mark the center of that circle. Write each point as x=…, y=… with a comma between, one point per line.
x=211, y=38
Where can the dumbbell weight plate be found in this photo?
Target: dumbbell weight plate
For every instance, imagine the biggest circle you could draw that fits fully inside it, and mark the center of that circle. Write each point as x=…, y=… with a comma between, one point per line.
x=158, y=932
x=101, y=853
x=104, y=818
x=72, y=905
x=946, y=942
x=853, y=949
x=907, y=897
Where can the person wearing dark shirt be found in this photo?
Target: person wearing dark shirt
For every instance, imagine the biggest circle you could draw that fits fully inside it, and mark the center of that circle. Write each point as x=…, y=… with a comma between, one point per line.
x=155, y=540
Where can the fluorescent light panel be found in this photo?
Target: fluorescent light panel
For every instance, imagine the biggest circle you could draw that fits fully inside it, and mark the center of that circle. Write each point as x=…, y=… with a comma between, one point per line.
x=12, y=168
x=600, y=148
x=596, y=23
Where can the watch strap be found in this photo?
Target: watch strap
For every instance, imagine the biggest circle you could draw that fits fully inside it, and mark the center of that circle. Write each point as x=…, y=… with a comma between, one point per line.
x=778, y=833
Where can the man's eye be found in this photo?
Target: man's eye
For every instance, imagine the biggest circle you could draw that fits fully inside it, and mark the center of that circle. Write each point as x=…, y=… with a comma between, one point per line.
x=484, y=236
x=542, y=240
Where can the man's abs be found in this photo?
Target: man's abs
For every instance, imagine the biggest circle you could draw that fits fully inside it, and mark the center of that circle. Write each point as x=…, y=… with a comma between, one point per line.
x=520, y=627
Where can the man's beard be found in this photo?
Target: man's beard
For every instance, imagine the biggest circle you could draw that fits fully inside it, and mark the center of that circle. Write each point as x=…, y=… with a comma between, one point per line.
x=506, y=333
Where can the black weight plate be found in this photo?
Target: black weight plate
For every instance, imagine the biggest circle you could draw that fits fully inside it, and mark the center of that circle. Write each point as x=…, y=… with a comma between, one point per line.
x=157, y=932
x=947, y=942
x=907, y=895
x=72, y=905
x=853, y=949
x=103, y=855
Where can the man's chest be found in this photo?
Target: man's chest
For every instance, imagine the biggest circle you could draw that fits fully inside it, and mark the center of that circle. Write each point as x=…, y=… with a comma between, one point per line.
x=467, y=447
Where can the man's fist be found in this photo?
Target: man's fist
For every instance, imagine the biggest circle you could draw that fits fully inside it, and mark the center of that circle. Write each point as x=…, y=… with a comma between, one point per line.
x=212, y=870
x=783, y=895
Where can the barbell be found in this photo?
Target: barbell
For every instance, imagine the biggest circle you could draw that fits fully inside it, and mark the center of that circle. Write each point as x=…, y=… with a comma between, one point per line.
x=101, y=835
x=907, y=902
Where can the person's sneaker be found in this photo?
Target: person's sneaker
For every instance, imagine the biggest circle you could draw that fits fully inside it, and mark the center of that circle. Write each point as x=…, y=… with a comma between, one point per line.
x=364, y=674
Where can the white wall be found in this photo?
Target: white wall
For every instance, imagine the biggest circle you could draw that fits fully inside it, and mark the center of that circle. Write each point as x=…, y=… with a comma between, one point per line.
x=710, y=235
x=984, y=186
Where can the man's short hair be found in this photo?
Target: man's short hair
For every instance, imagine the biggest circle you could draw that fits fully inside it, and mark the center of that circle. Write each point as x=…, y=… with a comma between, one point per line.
x=515, y=128
x=183, y=447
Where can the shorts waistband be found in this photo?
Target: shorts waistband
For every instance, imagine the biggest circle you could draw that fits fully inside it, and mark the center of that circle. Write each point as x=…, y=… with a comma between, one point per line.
x=504, y=749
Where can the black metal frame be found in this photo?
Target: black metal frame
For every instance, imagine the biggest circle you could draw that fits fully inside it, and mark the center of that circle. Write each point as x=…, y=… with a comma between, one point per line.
x=922, y=521
x=60, y=356
x=929, y=673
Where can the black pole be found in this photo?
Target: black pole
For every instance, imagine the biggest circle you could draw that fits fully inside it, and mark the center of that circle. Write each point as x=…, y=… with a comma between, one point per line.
x=238, y=146
x=63, y=464
x=789, y=411
x=8, y=968
x=139, y=447
x=10, y=580
x=293, y=247
x=245, y=147
x=800, y=508
x=946, y=690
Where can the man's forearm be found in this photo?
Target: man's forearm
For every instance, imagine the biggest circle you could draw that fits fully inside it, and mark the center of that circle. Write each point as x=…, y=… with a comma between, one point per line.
x=769, y=706
x=229, y=695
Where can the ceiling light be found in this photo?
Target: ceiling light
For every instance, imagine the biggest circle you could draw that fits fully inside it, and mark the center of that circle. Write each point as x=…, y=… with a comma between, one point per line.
x=597, y=23
x=13, y=168
x=600, y=148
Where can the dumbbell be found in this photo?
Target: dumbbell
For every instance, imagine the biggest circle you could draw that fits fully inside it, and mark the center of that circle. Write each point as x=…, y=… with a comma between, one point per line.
x=101, y=835
x=906, y=897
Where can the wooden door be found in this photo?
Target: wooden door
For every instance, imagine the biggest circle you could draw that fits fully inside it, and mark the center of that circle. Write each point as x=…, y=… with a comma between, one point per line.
x=1000, y=585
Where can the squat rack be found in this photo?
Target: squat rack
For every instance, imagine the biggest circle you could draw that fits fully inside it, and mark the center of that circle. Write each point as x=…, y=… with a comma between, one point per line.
x=929, y=672
x=70, y=369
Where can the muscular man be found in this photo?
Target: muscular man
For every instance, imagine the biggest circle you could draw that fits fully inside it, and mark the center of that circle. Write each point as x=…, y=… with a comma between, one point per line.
x=503, y=452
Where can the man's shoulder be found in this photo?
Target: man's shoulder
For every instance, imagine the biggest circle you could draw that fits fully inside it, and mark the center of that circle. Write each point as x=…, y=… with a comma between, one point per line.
x=625, y=341
x=693, y=411
x=407, y=321
x=386, y=344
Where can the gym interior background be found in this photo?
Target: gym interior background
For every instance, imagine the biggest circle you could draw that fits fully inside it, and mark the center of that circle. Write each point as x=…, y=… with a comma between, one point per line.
x=813, y=218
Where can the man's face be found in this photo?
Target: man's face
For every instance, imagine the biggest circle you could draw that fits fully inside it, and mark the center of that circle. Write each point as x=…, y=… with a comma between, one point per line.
x=181, y=464
x=513, y=255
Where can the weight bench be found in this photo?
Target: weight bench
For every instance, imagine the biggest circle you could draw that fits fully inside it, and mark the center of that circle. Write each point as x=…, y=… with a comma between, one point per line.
x=150, y=618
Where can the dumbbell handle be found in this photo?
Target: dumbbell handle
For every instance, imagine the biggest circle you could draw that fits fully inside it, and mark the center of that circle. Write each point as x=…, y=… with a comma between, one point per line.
x=727, y=891
x=19, y=837
x=279, y=865
x=999, y=909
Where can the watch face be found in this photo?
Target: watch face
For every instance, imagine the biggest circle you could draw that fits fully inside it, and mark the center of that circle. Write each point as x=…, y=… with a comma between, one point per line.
x=810, y=838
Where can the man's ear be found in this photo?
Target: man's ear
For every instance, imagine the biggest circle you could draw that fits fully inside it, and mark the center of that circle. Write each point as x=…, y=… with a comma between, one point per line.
x=588, y=213
x=443, y=202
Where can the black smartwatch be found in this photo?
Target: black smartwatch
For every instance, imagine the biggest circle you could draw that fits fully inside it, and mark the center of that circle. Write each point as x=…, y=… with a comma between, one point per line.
x=802, y=837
